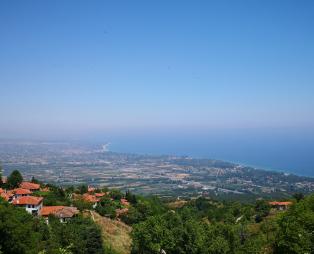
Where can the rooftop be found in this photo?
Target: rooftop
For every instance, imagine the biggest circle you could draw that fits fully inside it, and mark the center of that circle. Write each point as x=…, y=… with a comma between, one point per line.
x=59, y=211
x=27, y=200
x=280, y=203
x=21, y=191
x=90, y=198
x=30, y=186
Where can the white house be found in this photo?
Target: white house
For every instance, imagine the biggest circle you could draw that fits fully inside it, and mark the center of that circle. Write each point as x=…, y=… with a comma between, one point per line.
x=21, y=192
x=33, y=205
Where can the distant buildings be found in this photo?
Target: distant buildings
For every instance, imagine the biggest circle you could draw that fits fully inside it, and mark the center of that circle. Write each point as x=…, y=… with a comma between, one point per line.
x=280, y=205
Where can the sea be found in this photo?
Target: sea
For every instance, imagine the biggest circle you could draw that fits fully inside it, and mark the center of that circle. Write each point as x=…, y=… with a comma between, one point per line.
x=283, y=150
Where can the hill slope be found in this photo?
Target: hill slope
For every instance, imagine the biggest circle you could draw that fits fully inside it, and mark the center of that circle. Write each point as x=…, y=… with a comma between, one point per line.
x=116, y=234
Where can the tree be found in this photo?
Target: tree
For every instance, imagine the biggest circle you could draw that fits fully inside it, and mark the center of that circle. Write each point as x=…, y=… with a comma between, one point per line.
x=83, y=189
x=262, y=209
x=17, y=230
x=82, y=205
x=14, y=179
x=34, y=180
x=296, y=227
x=130, y=197
x=298, y=196
x=116, y=194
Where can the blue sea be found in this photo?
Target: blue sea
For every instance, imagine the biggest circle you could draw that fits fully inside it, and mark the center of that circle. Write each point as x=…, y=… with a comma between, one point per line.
x=280, y=150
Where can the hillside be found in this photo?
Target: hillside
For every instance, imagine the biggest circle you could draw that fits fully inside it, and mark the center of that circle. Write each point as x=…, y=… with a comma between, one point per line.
x=116, y=234
x=83, y=219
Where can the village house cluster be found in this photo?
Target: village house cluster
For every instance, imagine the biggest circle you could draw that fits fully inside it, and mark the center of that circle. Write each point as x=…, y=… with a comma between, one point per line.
x=24, y=197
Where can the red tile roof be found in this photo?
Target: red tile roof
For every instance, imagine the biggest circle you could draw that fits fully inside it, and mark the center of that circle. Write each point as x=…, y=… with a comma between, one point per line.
x=99, y=195
x=274, y=203
x=59, y=211
x=124, y=202
x=30, y=186
x=20, y=191
x=6, y=196
x=90, y=198
x=27, y=200
x=1, y=190
x=67, y=212
x=46, y=210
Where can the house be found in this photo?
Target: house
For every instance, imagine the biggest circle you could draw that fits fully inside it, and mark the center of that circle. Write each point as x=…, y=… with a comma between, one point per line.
x=19, y=192
x=30, y=186
x=64, y=213
x=99, y=195
x=280, y=205
x=7, y=195
x=124, y=202
x=91, y=189
x=91, y=199
x=32, y=204
x=1, y=190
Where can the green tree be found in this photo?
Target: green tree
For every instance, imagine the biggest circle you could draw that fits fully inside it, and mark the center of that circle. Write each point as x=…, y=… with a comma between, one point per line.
x=296, y=227
x=34, y=180
x=83, y=189
x=82, y=204
x=130, y=197
x=262, y=209
x=18, y=231
x=116, y=194
x=298, y=196
x=14, y=179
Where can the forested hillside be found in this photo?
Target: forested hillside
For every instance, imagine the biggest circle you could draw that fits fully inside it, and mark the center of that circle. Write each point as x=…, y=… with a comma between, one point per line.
x=195, y=226
x=207, y=226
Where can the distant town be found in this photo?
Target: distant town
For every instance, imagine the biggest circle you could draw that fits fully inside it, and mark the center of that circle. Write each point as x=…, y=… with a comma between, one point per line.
x=68, y=164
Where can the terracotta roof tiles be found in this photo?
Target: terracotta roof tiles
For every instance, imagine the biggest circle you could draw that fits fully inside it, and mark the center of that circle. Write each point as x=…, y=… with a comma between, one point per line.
x=59, y=211
x=21, y=191
x=30, y=186
x=280, y=203
x=27, y=200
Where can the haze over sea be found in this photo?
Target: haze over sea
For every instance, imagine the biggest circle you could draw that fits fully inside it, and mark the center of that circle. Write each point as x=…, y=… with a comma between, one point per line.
x=277, y=149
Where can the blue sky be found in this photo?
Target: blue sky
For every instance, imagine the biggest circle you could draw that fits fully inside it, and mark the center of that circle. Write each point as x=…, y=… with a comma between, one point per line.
x=77, y=67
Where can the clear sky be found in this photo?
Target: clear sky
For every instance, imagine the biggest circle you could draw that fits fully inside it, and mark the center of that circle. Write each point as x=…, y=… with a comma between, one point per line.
x=111, y=66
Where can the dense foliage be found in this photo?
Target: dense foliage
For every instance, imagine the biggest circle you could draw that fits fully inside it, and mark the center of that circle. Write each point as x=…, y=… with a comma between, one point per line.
x=14, y=179
x=22, y=233
x=211, y=227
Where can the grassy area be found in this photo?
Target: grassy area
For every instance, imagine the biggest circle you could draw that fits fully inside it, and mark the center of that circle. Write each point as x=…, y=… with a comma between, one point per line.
x=116, y=234
x=177, y=204
x=41, y=193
